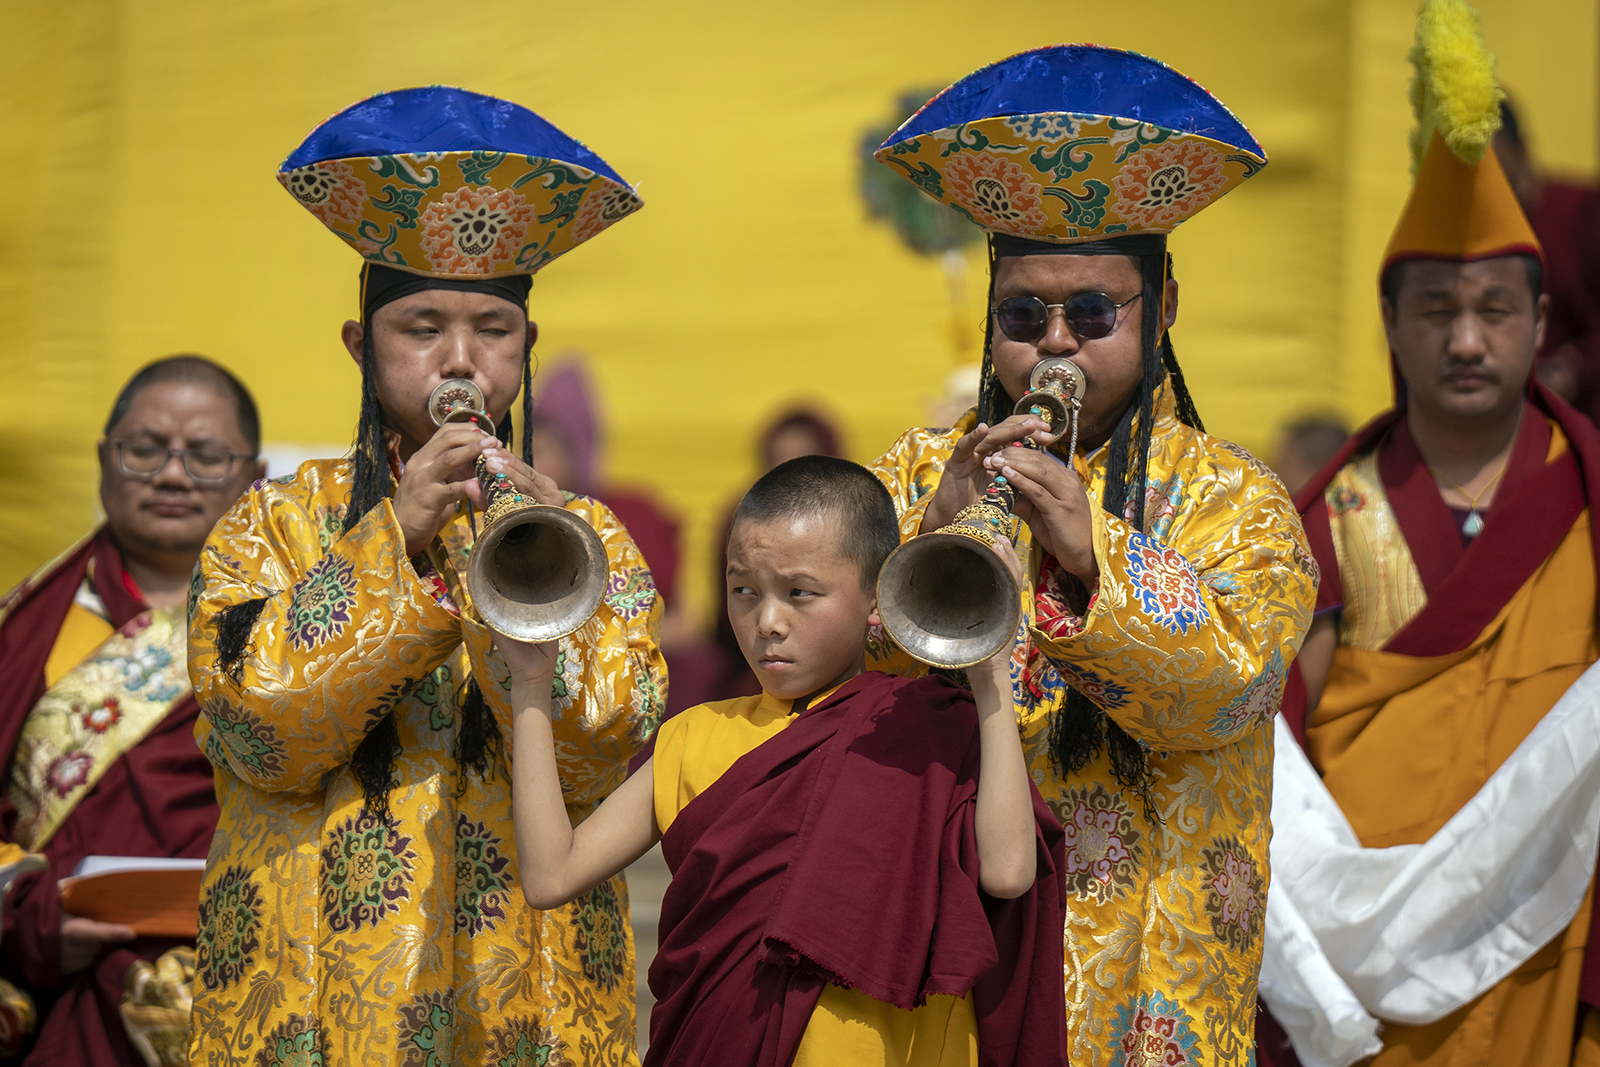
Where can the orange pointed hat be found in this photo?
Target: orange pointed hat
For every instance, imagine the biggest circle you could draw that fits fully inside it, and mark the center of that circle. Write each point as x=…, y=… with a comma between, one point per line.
x=1461, y=205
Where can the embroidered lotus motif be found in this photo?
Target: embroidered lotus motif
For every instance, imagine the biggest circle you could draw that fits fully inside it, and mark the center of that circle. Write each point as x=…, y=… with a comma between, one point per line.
x=1153, y=1031
x=1164, y=184
x=330, y=191
x=1258, y=703
x=522, y=1042
x=366, y=872
x=1165, y=585
x=601, y=942
x=475, y=231
x=997, y=192
x=296, y=1042
x=1103, y=849
x=69, y=771
x=1235, y=892
x=104, y=716
x=320, y=605
x=631, y=593
x=601, y=208
x=230, y=934
x=426, y=1029
x=482, y=885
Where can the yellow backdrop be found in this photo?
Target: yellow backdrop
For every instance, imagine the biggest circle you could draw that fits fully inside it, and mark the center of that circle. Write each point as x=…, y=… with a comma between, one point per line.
x=141, y=217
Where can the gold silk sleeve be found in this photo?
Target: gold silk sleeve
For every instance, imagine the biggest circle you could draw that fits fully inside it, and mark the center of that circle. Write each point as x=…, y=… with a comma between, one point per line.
x=911, y=469
x=345, y=629
x=1188, y=637
x=611, y=680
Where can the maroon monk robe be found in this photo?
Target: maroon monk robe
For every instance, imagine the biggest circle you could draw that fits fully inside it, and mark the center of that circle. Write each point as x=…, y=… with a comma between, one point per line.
x=843, y=850
x=1466, y=586
x=156, y=800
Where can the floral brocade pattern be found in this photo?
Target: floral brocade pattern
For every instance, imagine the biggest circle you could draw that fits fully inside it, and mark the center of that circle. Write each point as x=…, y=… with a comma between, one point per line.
x=1103, y=845
x=320, y=605
x=409, y=942
x=295, y=1042
x=474, y=231
x=425, y=1029
x=1183, y=644
x=229, y=929
x=482, y=881
x=366, y=872
x=1154, y=1031
x=524, y=1043
x=1165, y=584
x=1236, y=894
x=1059, y=177
x=601, y=946
x=467, y=213
x=1164, y=184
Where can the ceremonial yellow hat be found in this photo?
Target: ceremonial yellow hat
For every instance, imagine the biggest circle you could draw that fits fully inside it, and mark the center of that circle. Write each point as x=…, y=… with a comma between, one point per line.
x=1461, y=205
x=1075, y=143
x=451, y=184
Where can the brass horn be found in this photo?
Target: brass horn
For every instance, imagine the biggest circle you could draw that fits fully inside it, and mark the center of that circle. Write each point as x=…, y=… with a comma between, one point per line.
x=944, y=596
x=537, y=571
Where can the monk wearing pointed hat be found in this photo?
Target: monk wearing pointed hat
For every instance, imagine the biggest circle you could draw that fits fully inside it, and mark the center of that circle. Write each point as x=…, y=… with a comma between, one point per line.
x=1457, y=606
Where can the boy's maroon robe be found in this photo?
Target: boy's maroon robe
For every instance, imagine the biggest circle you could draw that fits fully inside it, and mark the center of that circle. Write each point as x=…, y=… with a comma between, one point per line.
x=843, y=850
x=156, y=800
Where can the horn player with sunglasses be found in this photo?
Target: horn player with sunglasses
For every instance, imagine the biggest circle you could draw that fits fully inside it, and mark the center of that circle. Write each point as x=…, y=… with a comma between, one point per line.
x=1170, y=583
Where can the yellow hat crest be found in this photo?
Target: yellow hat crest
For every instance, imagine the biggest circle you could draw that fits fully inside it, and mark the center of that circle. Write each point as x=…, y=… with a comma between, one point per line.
x=1461, y=205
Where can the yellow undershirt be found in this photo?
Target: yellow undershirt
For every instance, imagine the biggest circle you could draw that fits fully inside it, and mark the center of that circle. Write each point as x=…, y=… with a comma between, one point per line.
x=694, y=749
x=82, y=631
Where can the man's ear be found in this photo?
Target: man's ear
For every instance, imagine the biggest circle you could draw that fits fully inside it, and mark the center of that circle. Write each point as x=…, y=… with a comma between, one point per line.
x=352, y=334
x=533, y=333
x=873, y=618
x=1541, y=320
x=1170, y=303
x=1386, y=308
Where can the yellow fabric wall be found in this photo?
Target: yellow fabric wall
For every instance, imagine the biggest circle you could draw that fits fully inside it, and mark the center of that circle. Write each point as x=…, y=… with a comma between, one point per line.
x=141, y=217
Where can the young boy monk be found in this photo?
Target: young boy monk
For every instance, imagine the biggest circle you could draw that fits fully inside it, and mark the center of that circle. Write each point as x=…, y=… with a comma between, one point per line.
x=862, y=870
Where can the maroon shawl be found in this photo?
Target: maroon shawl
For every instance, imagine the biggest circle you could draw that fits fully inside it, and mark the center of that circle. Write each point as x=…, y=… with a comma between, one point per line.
x=843, y=850
x=157, y=800
x=1467, y=586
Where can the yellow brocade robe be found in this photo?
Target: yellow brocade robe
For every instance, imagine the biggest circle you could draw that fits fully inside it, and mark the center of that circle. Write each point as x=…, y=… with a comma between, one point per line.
x=322, y=929
x=1404, y=741
x=693, y=749
x=1185, y=645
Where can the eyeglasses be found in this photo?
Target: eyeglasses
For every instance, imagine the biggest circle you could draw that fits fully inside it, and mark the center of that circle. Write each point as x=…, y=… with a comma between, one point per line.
x=205, y=465
x=1089, y=315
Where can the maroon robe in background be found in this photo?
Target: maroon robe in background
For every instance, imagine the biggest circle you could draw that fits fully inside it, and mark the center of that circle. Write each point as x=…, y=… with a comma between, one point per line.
x=843, y=850
x=156, y=800
x=1567, y=222
x=1466, y=586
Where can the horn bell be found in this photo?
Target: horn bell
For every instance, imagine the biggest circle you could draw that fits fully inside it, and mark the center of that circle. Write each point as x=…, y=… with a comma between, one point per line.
x=947, y=599
x=538, y=572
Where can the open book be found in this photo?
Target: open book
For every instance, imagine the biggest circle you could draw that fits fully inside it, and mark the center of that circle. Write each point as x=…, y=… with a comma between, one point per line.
x=156, y=896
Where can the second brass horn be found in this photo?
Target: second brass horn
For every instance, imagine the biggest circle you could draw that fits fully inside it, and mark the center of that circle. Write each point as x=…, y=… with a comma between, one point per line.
x=537, y=572
x=945, y=597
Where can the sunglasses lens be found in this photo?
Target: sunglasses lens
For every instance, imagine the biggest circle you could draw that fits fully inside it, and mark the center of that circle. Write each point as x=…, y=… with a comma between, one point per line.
x=1022, y=318
x=1091, y=315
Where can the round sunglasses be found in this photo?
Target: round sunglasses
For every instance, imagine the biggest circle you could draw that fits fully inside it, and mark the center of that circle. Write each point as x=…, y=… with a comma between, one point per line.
x=1089, y=315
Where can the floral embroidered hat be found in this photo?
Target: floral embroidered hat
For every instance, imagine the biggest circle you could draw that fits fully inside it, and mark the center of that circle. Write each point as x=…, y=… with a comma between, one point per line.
x=1074, y=143
x=453, y=184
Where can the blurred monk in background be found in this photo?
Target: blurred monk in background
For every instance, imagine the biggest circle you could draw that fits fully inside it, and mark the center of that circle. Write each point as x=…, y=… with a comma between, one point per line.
x=97, y=718
x=1566, y=218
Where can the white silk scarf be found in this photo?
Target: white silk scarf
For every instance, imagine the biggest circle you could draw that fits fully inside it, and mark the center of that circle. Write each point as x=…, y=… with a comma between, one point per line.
x=1411, y=933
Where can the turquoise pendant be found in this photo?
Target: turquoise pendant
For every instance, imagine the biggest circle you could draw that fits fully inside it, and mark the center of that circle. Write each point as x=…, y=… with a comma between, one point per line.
x=1474, y=524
